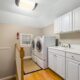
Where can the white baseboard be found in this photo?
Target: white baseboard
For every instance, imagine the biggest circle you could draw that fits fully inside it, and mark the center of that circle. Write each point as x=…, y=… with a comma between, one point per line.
x=27, y=57
x=8, y=77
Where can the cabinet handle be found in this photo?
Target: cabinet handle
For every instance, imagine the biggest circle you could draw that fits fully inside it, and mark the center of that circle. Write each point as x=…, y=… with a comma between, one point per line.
x=73, y=57
x=54, y=55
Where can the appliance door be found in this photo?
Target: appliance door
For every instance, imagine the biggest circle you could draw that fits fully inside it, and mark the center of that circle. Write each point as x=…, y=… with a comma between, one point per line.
x=33, y=45
x=39, y=46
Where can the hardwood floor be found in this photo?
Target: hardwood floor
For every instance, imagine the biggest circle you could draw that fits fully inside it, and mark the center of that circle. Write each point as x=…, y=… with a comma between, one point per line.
x=42, y=75
x=12, y=79
x=30, y=66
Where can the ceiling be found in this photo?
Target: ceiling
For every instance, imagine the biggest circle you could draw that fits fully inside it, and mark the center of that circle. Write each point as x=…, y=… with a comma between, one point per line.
x=43, y=15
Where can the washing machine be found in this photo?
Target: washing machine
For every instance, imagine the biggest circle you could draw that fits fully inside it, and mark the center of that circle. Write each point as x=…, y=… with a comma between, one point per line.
x=33, y=50
x=34, y=58
x=42, y=45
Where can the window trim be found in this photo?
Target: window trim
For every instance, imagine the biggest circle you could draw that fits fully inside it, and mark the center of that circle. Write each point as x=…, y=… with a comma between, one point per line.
x=21, y=39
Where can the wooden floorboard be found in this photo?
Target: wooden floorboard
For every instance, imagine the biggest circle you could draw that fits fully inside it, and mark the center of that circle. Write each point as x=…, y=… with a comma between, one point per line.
x=12, y=79
x=30, y=66
x=42, y=75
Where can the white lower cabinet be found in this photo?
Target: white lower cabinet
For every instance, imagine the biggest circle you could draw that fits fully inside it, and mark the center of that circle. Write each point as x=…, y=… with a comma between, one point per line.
x=52, y=61
x=57, y=63
x=65, y=64
x=61, y=66
x=79, y=71
x=72, y=70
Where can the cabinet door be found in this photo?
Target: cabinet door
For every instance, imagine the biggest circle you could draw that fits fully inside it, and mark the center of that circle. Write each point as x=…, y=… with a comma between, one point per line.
x=71, y=70
x=76, y=20
x=56, y=30
x=79, y=71
x=60, y=24
x=61, y=66
x=67, y=22
x=52, y=61
x=57, y=25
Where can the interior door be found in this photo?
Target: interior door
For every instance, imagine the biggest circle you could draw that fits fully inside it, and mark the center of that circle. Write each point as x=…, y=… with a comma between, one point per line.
x=61, y=66
x=71, y=70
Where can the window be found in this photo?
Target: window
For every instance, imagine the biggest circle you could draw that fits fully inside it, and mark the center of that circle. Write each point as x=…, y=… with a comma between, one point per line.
x=25, y=39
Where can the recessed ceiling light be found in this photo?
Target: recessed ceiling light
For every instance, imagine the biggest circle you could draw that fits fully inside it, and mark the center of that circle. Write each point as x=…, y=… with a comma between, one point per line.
x=26, y=4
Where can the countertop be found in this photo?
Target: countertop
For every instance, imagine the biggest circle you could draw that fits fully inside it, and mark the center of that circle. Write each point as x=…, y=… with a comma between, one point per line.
x=71, y=50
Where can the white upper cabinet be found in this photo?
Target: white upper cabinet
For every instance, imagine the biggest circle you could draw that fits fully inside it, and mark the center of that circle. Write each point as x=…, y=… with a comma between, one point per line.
x=67, y=22
x=57, y=25
x=72, y=72
x=76, y=19
x=63, y=23
x=56, y=29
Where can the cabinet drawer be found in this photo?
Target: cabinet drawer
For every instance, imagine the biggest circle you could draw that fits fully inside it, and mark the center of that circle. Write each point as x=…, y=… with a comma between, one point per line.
x=51, y=53
x=50, y=49
x=73, y=56
x=55, y=51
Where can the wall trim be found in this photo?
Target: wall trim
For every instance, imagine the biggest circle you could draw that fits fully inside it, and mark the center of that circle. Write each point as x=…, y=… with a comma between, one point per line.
x=2, y=48
x=27, y=57
x=8, y=77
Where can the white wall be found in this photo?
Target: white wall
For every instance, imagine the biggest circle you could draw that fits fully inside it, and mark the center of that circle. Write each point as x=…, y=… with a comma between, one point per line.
x=18, y=19
x=7, y=46
x=73, y=37
x=49, y=30
x=8, y=39
x=8, y=30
